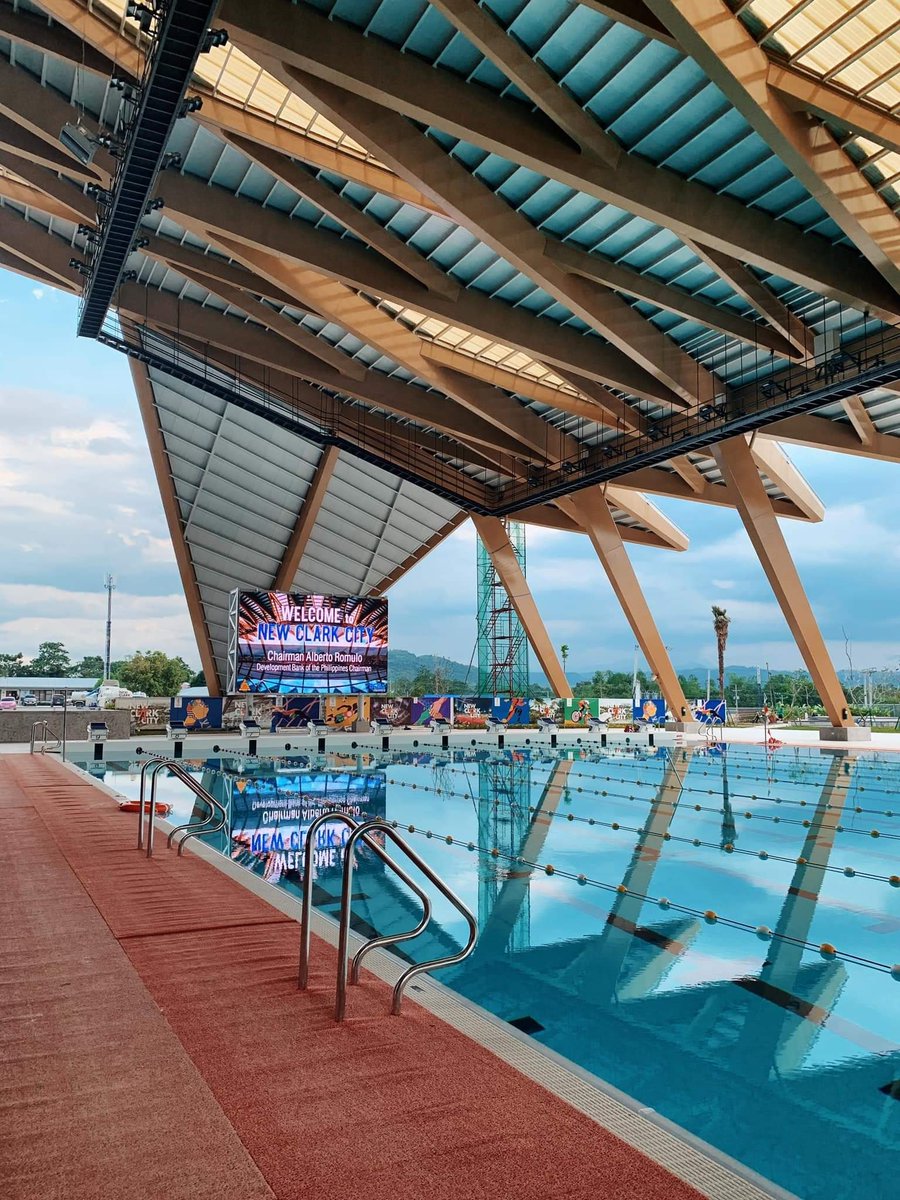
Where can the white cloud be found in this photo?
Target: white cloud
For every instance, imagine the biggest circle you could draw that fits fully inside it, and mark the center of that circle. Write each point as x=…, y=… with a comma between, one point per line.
x=38, y=293
x=78, y=620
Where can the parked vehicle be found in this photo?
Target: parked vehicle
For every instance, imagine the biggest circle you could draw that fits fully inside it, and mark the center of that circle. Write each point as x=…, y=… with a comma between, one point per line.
x=107, y=692
x=29, y=698
x=78, y=699
x=7, y=704
x=58, y=700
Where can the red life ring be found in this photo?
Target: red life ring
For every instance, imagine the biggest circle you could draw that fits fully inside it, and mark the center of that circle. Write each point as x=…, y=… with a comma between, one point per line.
x=132, y=806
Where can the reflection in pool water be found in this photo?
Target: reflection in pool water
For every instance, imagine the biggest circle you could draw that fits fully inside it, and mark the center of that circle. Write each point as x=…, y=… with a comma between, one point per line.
x=712, y=933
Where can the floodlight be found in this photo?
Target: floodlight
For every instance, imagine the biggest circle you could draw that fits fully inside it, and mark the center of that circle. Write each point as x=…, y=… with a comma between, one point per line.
x=213, y=39
x=77, y=141
x=98, y=193
x=140, y=13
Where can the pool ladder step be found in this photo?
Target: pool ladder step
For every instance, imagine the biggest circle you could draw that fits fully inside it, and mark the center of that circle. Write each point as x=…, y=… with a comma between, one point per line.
x=363, y=832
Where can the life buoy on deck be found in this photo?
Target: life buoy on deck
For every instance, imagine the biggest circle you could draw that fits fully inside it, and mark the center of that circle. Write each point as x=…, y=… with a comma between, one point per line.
x=132, y=806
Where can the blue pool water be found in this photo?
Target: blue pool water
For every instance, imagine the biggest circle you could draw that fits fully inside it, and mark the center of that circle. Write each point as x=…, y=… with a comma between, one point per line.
x=636, y=954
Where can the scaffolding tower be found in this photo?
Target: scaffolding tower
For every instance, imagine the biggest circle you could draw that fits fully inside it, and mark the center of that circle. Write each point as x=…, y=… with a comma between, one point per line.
x=504, y=795
x=502, y=644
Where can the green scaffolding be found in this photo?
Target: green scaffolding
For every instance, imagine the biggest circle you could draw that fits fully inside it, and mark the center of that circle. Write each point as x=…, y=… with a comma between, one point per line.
x=502, y=644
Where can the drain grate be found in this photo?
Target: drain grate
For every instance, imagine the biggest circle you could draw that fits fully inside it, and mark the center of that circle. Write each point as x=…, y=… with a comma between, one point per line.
x=527, y=1024
x=891, y=1089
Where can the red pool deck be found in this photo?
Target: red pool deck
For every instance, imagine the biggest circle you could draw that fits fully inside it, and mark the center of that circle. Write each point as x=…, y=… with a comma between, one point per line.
x=153, y=1044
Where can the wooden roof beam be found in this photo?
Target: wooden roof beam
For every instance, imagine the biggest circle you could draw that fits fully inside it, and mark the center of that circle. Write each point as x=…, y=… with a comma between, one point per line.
x=424, y=164
x=806, y=93
x=659, y=482
x=64, y=193
x=220, y=216
x=823, y=434
x=480, y=27
x=249, y=342
x=643, y=510
x=306, y=519
x=341, y=210
x=694, y=478
x=718, y=41
x=26, y=29
x=159, y=457
x=607, y=409
x=793, y=334
x=672, y=299
x=308, y=42
x=775, y=464
x=859, y=418
x=407, y=445
x=43, y=112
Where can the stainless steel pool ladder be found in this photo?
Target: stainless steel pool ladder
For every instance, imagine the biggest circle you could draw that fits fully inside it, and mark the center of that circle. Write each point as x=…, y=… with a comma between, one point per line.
x=216, y=821
x=45, y=736
x=363, y=832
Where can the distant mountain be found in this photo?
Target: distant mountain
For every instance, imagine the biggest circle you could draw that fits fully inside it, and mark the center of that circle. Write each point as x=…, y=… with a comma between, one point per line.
x=403, y=664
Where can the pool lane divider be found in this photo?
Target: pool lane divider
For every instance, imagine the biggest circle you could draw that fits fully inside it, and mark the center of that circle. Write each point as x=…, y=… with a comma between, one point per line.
x=728, y=848
x=825, y=949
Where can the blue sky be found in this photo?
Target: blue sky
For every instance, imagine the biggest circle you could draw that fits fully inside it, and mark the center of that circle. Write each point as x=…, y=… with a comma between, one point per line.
x=78, y=498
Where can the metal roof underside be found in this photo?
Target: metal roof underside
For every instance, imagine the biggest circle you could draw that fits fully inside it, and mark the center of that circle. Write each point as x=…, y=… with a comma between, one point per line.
x=241, y=483
x=650, y=97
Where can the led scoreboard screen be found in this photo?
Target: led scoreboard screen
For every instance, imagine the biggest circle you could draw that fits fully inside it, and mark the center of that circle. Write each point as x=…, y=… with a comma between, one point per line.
x=288, y=644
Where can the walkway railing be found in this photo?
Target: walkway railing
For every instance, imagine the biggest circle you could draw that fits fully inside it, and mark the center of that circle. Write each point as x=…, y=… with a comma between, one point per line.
x=363, y=832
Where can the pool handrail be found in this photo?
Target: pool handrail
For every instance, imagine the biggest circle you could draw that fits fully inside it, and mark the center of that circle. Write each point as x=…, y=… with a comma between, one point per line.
x=44, y=727
x=306, y=909
x=195, y=828
x=361, y=831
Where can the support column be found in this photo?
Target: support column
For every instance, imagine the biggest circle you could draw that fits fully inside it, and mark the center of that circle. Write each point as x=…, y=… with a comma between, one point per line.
x=160, y=459
x=306, y=519
x=503, y=556
x=735, y=460
x=590, y=510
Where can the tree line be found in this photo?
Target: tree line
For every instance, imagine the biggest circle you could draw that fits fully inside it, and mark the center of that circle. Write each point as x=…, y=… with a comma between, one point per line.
x=149, y=671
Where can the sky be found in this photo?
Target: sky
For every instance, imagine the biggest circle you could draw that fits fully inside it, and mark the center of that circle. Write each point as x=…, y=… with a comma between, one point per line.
x=78, y=499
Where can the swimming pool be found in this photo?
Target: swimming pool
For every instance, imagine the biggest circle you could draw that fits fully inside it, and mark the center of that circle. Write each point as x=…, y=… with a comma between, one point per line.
x=656, y=917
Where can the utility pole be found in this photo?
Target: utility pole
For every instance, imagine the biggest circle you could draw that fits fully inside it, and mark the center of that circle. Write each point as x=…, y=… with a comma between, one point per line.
x=110, y=584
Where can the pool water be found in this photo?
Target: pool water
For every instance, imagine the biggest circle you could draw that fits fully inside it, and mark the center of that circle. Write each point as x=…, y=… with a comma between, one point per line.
x=711, y=931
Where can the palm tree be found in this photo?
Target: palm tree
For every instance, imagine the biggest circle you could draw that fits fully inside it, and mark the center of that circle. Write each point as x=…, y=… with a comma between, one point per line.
x=721, y=621
x=564, y=651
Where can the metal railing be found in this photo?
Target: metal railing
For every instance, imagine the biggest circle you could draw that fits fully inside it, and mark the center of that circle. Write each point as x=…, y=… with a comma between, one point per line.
x=306, y=910
x=362, y=832
x=45, y=736
x=216, y=821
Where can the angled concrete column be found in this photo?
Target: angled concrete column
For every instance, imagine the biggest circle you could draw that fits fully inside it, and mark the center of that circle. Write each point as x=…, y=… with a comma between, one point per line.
x=496, y=541
x=735, y=461
x=590, y=510
x=160, y=459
